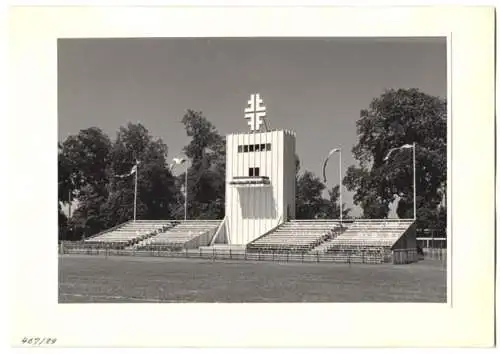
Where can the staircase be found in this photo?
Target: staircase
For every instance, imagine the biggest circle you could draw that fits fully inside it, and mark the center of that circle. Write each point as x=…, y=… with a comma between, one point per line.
x=128, y=233
x=185, y=234
x=324, y=246
x=296, y=236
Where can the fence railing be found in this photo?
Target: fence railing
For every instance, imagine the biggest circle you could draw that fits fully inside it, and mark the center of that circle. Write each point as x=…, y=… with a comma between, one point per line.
x=438, y=254
x=404, y=256
x=359, y=256
x=432, y=242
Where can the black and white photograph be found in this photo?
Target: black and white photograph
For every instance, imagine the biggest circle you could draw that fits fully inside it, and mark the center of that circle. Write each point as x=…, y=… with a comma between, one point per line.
x=251, y=177
x=252, y=169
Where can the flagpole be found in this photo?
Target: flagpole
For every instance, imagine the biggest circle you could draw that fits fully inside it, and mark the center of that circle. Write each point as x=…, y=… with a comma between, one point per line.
x=340, y=184
x=69, y=204
x=135, y=191
x=185, y=191
x=414, y=185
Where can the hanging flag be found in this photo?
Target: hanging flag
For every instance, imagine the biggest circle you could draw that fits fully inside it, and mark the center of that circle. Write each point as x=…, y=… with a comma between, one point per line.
x=177, y=161
x=406, y=146
x=132, y=171
x=326, y=161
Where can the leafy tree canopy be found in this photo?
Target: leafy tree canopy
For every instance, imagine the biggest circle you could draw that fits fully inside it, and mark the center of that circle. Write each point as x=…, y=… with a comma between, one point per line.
x=156, y=190
x=82, y=160
x=396, y=118
x=88, y=165
x=310, y=203
x=332, y=205
x=207, y=173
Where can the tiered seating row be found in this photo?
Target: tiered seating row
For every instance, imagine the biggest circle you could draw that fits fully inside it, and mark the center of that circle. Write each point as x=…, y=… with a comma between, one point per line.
x=370, y=234
x=129, y=233
x=296, y=236
x=359, y=254
x=178, y=236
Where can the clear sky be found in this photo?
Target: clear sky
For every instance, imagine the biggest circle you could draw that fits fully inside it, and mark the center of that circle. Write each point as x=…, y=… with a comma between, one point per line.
x=315, y=87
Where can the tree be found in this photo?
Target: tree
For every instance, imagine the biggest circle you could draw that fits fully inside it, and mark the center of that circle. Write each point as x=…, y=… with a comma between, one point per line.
x=83, y=159
x=156, y=191
x=118, y=208
x=396, y=118
x=88, y=218
x=64, y=185
x=88, y=167
x=441, y=219
x=62, y=222
x=332, y=205
x=367, y=193
x=82, y=164
x=309, y=203
x=205, y=140
x=207, y=173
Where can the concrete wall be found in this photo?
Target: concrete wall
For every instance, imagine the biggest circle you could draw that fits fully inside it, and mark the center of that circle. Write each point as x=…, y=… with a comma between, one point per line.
x=289, y=176
x=201, y=240
x=408, y=240
x=221, y=236
x=253, y=210
x=404, y=251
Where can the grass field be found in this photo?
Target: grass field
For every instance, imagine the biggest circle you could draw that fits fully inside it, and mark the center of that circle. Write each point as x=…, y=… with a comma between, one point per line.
x=153, y=279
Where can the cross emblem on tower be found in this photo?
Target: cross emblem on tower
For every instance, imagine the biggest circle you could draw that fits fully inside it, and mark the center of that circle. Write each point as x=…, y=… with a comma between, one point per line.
x=255, y=112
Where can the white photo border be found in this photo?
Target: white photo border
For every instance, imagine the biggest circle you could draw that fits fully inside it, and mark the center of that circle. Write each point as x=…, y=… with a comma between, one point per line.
x=32, y=245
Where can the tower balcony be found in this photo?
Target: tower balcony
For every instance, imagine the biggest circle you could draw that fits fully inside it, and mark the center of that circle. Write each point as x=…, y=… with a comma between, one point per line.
x=258, y=181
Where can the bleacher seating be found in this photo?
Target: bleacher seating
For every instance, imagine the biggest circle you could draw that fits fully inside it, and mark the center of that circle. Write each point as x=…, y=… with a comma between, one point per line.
x=372, y=233
x=128, y=233
x=296, y=236
x=182, y=235
x=366, y=238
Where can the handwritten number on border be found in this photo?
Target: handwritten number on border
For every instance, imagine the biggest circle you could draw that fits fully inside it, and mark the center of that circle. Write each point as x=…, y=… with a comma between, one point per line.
x=38, y=341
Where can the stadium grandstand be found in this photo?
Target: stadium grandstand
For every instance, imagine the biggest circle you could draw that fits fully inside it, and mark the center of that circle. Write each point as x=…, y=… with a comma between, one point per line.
x=260, y=211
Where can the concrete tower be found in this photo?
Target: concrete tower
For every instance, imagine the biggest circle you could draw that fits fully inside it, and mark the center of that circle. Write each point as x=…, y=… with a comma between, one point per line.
x=260, y=178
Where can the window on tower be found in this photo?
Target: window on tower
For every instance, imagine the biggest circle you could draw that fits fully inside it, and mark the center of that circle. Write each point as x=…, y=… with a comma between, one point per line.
x=254, y=148
x=254, y=171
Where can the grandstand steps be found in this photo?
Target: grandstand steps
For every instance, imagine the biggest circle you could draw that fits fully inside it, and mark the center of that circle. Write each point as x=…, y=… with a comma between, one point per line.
x=360, y=255
x=358, y=241
x=367, y=234
x=363, y=241
x=186, y=234
x=370, y=241
x=128, y=233
x=295, y=236
x=323, y=247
